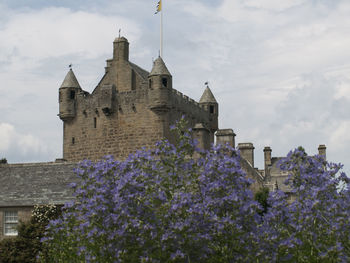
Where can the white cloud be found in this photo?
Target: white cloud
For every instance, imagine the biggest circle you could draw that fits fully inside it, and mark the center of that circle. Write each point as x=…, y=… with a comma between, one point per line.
x=6, y=135
x=273, y=5
x=279, y=69
x=54, y=32
x=15, y=145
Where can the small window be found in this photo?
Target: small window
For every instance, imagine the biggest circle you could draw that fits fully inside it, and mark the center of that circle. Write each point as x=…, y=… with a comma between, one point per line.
x=164, y=82
x=60, y=96
x=150, y=84
x=72, y=94
x=73, y=140
x=211, y=109
x=133, y=80
x=10, y=223
x=95, y=122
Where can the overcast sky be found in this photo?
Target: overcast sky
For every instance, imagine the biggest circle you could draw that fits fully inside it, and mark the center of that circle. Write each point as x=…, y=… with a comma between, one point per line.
x=280, y=70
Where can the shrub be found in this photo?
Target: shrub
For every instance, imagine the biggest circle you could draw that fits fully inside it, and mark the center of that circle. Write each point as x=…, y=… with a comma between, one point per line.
x=160, y=206
x=26, y=246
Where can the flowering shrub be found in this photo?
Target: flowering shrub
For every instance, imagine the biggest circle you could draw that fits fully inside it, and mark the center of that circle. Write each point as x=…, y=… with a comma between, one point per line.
x=181, y=204
x=159, y=206
x=315, y=227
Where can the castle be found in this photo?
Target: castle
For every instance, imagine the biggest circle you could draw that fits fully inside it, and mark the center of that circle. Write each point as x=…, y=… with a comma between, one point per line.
x=130, y=108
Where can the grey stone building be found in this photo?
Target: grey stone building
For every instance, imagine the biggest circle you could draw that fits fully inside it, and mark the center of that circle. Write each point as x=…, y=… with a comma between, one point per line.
x=130, y=108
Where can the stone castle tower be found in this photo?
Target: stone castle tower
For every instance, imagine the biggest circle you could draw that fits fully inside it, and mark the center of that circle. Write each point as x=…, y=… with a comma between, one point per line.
x=130, y=108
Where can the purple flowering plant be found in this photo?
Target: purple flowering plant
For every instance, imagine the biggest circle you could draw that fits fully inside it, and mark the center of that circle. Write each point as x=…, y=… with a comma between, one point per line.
x=315, y=225
x=176, y=203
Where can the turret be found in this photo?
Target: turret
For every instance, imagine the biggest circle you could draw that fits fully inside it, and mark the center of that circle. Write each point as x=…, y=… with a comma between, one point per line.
x=67, y=96
x=208, y=102
x=160, y=84
x=121, y=49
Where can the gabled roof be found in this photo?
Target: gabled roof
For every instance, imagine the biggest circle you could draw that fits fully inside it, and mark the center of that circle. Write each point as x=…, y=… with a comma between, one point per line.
x=159, y=68
x=207, y=96
x=70, y=81
x=36, y=183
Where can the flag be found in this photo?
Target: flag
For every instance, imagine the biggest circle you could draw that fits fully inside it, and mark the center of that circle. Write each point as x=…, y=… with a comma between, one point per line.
x=159, y=7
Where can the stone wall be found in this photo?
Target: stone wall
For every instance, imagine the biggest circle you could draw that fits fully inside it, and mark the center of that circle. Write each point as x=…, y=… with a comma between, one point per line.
x=129, y=109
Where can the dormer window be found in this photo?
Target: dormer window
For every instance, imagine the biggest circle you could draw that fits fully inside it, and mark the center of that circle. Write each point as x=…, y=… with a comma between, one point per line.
x=164, y=82
x=72, y=94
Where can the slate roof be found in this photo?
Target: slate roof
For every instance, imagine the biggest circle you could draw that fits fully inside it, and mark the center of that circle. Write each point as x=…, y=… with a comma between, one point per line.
x=159, y=68
x=207, y=96
x=70, y=81
x=143, y=73
x=36, y=183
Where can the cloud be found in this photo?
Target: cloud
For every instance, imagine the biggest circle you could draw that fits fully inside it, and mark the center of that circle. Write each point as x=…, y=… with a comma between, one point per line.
x=53, y=32
x=16, y=146
x=279, y=69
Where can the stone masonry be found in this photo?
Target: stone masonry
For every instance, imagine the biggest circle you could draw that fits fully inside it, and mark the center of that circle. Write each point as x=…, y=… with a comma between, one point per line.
x=130, y=108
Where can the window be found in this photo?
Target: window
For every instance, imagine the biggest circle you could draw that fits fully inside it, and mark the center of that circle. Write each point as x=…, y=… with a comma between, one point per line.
x=211, y=109
x=150, y=84
x=95, y=122
x=133, y=80
x=164, y=82
x=72, y=94
x=73, y=140
x=10, y=223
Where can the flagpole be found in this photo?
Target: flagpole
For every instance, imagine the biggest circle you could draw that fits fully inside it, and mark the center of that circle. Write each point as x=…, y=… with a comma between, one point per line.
x=161, y=30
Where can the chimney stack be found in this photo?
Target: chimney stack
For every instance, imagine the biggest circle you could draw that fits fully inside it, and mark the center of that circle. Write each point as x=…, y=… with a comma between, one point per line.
x=202, y=135
x=247, y=152
x=322, y=150
x=225, y=136
x=267, y=159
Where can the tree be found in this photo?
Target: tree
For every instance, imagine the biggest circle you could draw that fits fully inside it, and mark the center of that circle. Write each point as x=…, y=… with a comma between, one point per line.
x=159, y=206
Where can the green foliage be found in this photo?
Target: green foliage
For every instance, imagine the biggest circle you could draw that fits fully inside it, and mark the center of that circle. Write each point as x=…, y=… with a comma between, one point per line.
x=3, y=161
x=261, y=196
x=25, y=247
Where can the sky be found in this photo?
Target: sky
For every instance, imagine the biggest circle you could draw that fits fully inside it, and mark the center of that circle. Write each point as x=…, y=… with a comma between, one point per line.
x=280, y=70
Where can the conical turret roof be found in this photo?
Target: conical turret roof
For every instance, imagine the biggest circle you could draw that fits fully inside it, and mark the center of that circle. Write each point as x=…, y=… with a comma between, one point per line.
x=159, y=68
x=207, y=96
x=70, y=81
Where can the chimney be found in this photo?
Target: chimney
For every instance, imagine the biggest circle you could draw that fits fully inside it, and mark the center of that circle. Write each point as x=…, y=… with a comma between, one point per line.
x=267, y=156
x=225, y=136
x=322, y=150
x=121, y=49
x=247, y=152
x=201, y=134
